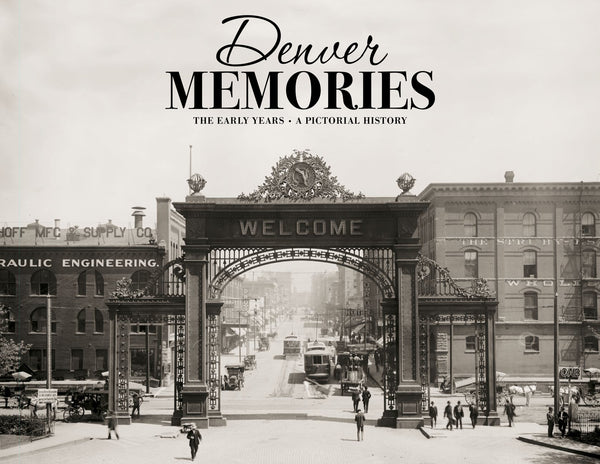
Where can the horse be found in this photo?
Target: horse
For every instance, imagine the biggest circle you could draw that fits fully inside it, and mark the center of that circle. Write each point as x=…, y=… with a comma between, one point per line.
x=35, y=405
x=526, y=390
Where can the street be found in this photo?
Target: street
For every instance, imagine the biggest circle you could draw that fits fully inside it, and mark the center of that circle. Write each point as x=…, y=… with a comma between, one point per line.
x=276, y=418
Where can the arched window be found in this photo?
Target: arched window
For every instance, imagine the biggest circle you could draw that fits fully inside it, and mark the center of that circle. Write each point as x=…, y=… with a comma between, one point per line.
x=8, y=284
x=529, y=225
x=99, y=283
x=590, y=305
x=532, y=343
x=82, y=283
x=81, y=321
x=530, y=263
x=588, y=225
x=98, y=321
x=43, y=282
x=471, y=264
x=588, y=264
x=139, y=279
x=470, y=343
x=530, y=306
x=38, y=320
x=470, y=225
x=9, y=325
x=590, y=344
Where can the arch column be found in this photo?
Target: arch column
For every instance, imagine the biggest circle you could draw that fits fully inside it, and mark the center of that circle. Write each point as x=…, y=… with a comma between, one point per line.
x=118, y=367
x=195, y=389
x=408, y=392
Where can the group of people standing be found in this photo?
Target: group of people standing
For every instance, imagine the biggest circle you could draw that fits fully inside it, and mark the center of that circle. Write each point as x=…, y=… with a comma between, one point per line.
x=361, y=392
x=453, y=414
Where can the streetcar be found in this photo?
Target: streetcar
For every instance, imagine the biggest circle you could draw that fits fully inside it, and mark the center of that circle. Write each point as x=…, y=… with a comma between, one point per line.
x=318, y=361
x=291, y=345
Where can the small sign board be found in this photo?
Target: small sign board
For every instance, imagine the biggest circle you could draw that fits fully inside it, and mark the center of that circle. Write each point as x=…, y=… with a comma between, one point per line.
x=47, y=395
x=571, y=373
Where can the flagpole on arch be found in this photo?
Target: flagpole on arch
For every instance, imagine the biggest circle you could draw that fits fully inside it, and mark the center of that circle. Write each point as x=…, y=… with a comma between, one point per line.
x=190, y=192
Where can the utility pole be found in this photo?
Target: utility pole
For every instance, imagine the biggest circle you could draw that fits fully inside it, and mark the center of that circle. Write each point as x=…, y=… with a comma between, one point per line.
x=556, y=326
x=48, y=355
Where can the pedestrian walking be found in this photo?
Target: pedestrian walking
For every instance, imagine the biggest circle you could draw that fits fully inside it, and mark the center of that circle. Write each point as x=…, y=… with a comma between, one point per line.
x=448, y=414
x=366, y=396
x=355, y=399
x=458, y=414
x=194, y=438
x=112, y=425
x=473, y=414
x=359, y=418
x=433, y=413
x=563, y=421
x=509, y=410
x=136, y=405
x=550, y=419
x=7, y=394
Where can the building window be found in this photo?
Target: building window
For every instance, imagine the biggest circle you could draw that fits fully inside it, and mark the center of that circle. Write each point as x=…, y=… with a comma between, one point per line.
x=532, y=343
x=38, y=320
x=470, y=225
x=99, y=283
x=530, y=263
x=470, y=343
x=76, y=359
x=588, y=264
x=142, y=328
x=9, y=322
x=471, y=266
x=8, y=283
x=590, y=344
x=98, y=321
x=139, y=279
x=43, y=282
x=588, y=225
x=101, y=360
x=82, y=284
x=37, y=359
x=529, y=225
x=531, y=306
x=590, y=305
x=81, y=321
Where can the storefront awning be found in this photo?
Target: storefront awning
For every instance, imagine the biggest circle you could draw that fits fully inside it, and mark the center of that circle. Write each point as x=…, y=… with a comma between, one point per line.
x=358, y=328
x=240, y=332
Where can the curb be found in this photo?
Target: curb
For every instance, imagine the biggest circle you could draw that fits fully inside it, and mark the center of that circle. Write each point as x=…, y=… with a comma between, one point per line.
x=46, y=448
x=425, y=434
x=560, y=448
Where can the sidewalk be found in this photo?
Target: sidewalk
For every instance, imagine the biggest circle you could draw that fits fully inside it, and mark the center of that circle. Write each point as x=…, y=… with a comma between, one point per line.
x=563, y=444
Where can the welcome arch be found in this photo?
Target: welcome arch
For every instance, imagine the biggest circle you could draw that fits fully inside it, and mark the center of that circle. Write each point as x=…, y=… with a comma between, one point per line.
x=300, y=212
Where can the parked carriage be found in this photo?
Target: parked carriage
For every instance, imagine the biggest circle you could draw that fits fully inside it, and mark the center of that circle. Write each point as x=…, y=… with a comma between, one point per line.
x=96, y=401
x=234, y=379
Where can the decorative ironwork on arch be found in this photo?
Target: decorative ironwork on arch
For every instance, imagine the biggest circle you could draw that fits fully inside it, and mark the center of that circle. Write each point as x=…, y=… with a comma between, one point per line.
x=165, y=281
x=300, y=177
x=375, y=263
x=435, y=280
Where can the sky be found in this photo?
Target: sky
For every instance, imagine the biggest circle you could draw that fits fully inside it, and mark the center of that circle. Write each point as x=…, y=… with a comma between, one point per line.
x=85, y=133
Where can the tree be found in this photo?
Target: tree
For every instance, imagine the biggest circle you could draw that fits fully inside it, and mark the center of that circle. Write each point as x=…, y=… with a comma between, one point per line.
x=10, y=351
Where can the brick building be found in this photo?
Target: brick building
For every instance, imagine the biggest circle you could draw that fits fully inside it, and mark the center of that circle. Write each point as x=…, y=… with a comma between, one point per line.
x=530, y=241
x=75, y=270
